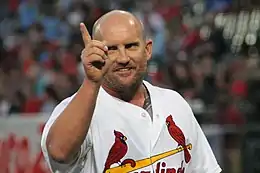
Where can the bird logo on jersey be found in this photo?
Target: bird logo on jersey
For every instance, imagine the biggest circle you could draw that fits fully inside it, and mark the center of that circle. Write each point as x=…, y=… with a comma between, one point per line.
x=118, y=151
x=177, y=134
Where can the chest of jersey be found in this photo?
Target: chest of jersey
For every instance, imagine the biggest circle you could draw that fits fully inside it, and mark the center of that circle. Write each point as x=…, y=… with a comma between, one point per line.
x=127, y=139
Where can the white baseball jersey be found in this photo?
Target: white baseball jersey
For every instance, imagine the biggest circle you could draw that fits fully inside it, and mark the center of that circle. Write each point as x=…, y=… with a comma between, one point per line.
x=123, y=138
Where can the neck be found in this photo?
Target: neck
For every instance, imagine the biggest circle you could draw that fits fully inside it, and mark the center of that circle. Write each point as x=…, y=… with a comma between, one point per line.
x=136, y=97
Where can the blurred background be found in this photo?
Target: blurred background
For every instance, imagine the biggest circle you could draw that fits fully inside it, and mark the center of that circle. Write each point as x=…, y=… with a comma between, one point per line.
x=207, y=50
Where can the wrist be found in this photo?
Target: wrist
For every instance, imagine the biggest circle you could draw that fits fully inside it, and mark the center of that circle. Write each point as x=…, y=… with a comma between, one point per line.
x=90, y=84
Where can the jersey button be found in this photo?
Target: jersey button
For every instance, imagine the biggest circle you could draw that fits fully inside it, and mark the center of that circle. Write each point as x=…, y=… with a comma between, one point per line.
x=143, y=114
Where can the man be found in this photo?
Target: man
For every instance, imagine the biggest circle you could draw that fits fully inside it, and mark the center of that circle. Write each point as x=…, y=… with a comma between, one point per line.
x=117, y=122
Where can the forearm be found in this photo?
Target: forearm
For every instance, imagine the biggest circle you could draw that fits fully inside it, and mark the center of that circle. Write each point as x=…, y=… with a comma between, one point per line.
x=70, y=129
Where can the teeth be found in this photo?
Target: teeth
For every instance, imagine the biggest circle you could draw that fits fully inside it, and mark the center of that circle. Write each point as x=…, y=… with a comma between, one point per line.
x=124, y=69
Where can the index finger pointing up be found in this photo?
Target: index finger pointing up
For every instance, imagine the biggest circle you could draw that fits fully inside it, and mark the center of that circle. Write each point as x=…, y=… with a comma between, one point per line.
x=84, y=33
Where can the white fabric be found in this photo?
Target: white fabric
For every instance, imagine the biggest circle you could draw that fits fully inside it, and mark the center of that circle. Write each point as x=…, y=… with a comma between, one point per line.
x=145, y=138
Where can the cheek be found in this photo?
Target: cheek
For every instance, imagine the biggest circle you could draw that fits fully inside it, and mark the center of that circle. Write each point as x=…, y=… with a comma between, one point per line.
x=142, y=67
x=138, y=57
x=134, y=54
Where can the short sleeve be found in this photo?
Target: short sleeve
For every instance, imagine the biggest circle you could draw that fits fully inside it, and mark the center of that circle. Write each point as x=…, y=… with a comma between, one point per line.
x=203, y=159
x=78, y=164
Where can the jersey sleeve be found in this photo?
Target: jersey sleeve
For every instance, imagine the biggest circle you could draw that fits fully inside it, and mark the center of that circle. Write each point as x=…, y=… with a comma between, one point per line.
x=78, y=163
x=203, y=159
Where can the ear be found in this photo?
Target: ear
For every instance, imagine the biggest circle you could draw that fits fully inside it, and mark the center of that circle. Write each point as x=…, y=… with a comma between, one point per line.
x=148, y=49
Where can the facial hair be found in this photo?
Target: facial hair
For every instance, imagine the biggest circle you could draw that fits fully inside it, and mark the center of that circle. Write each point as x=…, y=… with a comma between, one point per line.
x=125, y=92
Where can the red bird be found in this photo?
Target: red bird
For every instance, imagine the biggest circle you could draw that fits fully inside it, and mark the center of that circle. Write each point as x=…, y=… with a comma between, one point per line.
x=117, y=151
x=177, y=134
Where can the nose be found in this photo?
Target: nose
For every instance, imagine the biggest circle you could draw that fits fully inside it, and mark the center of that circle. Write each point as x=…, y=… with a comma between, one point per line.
x=123, y=58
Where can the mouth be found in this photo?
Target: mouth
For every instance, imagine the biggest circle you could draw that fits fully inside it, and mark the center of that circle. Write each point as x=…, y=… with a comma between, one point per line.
x=123, y=69
x=124, y=72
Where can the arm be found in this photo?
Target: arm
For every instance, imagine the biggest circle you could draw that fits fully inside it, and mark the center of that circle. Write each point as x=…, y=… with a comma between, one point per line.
x=75, y=119
x=203, y=159
x=72, y=125
x=66, y=137
x=202, y=156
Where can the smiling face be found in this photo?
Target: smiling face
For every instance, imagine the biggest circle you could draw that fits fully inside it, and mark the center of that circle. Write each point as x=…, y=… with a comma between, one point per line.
x=123, y=34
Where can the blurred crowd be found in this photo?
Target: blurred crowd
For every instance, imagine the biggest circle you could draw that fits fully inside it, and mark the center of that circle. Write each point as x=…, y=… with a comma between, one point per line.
x=41, y=45
x=216, y=72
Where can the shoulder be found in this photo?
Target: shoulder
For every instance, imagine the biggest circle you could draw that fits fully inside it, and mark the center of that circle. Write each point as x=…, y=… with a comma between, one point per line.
x=163, y=92
x=62, y=105
x=166, y=95
x=56, y=112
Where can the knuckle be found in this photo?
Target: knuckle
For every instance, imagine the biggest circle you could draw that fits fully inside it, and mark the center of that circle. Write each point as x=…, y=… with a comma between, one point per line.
x=96, y=41
x=83, y=52
x=83, y=58
x=102, y=53
x=90, y=44
x=99, y=43
x=97, y=50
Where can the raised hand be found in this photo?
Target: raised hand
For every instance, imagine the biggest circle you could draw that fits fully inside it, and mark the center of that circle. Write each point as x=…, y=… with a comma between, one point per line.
x=94, y=57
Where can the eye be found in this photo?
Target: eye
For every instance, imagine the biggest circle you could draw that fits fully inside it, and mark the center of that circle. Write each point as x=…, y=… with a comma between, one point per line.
x=112, y=48
x=131, y=45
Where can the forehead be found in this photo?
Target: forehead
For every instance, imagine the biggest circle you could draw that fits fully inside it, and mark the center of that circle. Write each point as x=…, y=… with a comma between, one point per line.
x=117, y=32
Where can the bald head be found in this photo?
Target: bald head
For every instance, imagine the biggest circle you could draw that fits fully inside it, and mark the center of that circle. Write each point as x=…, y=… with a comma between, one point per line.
x=123, y=34
x=117, y=20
